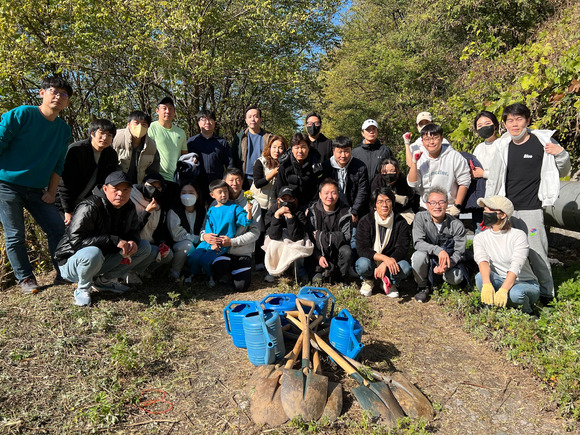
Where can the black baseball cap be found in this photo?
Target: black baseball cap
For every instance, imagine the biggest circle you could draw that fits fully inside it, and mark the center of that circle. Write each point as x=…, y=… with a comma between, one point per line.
x=286, y=191
x=153, y=176
x=166, y=100
x=116, y=178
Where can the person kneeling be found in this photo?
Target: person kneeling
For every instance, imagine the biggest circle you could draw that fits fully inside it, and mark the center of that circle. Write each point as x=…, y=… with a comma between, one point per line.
x=382, y=237
x=501, y=252
x=439, y=241
x=102, y=242
x=330, y=226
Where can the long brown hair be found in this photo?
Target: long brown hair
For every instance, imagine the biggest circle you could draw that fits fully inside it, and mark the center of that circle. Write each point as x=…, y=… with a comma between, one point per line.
x=270, y=161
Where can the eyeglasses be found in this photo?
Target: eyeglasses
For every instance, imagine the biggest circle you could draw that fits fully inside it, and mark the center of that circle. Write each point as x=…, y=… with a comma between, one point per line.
x=208, y=120
x=431, y=138
x=54, y=92
x=310, y=124
x=435, y=203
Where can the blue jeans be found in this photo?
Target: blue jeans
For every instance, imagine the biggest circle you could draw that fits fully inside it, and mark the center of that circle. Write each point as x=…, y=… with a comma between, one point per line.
x=150, y=264
x=523, y=293
x=366, y=269
x=13, y=200
x=89, y=262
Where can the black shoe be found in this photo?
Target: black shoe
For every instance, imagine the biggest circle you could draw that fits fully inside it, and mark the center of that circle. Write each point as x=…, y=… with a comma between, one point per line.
x=422, y=294
x=546, y=300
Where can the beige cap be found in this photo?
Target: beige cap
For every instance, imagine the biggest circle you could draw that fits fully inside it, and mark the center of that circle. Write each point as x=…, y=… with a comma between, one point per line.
x=368, y=123
x=497, y=203
x=424, y=116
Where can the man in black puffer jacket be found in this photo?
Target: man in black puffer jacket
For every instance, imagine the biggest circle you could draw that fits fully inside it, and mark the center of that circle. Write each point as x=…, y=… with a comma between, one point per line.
x=102, y=242
x=330, y=227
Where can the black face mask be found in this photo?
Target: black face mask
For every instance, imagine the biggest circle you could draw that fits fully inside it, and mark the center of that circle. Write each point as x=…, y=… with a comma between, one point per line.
x=313, y=130
x=389, y=178
x=150, y=191
x=490, y=219
x=486, y=132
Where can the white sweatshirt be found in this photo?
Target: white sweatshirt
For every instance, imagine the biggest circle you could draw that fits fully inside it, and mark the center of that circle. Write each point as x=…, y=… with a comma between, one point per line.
x=485, y=152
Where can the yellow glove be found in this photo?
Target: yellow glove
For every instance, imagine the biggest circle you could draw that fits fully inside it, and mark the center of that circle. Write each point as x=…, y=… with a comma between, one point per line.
x=487, y=293
x=501, y=297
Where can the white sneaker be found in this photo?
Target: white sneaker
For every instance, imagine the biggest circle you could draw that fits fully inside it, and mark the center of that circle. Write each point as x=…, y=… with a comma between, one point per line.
x=366, y=289
x=269, y=278
x=389, y=288
x=133, y=278
x=112, y=286
x=211, y=282
x=393, y=292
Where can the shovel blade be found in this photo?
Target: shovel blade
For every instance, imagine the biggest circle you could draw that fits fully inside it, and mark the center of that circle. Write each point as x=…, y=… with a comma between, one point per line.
x=266, y=407
x=370, y=401
x=333, y=406
x=259, y=373
x=412, y=400
x=303, y=395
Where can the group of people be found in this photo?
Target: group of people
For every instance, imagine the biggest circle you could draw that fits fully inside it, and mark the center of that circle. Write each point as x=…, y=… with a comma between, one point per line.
x=124, y=203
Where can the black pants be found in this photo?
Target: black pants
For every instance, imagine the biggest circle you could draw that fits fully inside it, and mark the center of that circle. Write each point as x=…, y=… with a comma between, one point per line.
x=239, y=267
x=339, y=264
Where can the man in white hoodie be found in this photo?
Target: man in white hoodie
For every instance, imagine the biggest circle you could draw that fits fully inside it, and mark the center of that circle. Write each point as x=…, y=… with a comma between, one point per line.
x=527, y=170
x=440, y=165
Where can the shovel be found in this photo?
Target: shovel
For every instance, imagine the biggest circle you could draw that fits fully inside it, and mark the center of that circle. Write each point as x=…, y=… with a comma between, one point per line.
x=266, y=405
x=375, y=397
x=303, y=392
x=333, y=406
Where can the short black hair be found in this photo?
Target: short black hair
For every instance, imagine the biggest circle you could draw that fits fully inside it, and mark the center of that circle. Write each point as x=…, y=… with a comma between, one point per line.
x=342, y=142
x=298, y=138
x=254, y=108
x=233, y=171
x=104, y=125
x=516, y=109
x=57, y=82
x=432, y=130
x=389, y=161
x=204, y=113
x=311, y=114
x=488, y=115
x=326, y=181
x=139, y=115
x=382, y=191
x=217, y=184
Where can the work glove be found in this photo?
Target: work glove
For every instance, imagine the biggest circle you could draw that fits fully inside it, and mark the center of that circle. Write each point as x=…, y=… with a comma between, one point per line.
x=453, y=210
x=401, y=199
x=500, y=298
x=487, y=293
x=407, y=138
x=417, y=156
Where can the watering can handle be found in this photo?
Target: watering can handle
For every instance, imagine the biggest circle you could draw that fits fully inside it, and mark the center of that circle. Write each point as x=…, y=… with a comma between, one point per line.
x=226, y=311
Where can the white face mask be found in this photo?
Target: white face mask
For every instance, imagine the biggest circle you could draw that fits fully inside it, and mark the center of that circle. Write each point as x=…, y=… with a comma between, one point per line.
x=188, y=200
x=519, y=136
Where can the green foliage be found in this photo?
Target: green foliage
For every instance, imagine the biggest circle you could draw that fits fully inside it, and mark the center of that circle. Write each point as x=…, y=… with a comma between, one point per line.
x=349, y=297
x=549, y=346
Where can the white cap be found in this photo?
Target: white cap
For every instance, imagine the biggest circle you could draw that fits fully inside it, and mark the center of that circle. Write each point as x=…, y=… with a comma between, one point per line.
x=424, y=116
x=368, y=123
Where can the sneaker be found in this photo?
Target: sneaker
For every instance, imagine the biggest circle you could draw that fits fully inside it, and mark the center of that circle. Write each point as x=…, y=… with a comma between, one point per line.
x=29, y=286
x=422, y=294
x=269, y=278
x=211, y=282
x=260, y=267
x=133, y=278
x=82, y=298
x=174, y=274
x=113, y=286
x=59, y=280
x=366, y=289
x=393, y=292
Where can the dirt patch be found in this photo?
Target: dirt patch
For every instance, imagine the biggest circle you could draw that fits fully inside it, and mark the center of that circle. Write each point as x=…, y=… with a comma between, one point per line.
x=66, y=369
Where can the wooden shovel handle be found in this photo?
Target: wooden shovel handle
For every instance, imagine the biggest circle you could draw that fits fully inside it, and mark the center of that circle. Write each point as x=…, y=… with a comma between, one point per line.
x=293, y=355
x=305, y=322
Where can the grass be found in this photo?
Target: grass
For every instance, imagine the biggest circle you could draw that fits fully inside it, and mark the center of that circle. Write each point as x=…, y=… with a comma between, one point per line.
x=548, y=346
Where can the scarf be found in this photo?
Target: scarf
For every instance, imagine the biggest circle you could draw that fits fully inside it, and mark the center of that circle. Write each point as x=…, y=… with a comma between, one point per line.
x=388, y=225
x=342, y=174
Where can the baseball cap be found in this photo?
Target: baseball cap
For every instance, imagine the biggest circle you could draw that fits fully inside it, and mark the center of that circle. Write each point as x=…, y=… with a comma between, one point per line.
x=368, y=123
x=497, y=203
x=153, y=176
x=286, y=191
x=116, y=178
x=166, y=100
x=424, y=116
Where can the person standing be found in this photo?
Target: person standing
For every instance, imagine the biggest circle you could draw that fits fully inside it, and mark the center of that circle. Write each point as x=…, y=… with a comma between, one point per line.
x=526, y=169
x=170, y=140
x=318, y=140
x=33, y=146
x=371, y=151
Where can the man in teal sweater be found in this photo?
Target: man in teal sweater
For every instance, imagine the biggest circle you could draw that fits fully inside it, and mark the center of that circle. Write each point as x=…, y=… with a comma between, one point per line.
x=33, y=146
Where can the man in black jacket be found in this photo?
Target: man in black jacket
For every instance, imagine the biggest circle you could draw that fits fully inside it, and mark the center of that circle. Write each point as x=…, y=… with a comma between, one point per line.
x=330, y=227
x=371, y=151
x=87, y=164
x=351, y=175
x=382, y=240
x=318, y=140
x=102, y=241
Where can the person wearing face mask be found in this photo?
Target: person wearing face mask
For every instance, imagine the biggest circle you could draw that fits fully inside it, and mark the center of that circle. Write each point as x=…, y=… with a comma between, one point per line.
x=147, y=198
x=505, y=277
x=526, y=169
x=318, y=140
x=137, y=152
x=390, y=175
x=184, y=222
